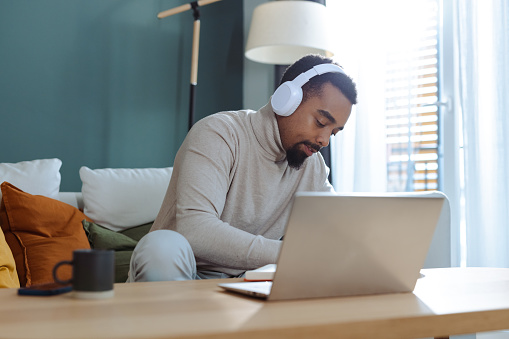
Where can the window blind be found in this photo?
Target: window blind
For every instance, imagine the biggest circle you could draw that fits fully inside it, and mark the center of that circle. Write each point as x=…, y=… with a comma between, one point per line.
x=411, y=110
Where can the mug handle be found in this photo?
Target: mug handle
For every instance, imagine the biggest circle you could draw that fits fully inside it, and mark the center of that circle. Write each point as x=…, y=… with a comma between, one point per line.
x=55, y=276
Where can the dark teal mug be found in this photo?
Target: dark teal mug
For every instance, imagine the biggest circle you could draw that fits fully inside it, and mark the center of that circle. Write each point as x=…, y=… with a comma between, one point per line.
x=93, y=273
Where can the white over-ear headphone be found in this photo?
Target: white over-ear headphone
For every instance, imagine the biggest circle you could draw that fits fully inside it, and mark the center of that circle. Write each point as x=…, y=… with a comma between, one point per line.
x=288, y=95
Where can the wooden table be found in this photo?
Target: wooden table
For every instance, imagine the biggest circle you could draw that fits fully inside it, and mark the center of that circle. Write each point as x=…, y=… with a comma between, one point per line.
x=445, y=302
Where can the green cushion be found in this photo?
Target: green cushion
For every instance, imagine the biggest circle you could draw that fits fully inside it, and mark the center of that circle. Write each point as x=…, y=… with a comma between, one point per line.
x=137, y=232
x=103, y=238
x=122, y=262
x=123, y=243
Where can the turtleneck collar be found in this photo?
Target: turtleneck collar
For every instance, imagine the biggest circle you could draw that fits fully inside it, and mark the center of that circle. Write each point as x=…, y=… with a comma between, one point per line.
x=266, y=131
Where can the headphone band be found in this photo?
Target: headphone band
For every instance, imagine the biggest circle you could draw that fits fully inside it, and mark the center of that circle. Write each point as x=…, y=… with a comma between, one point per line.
x=288, y=95
x=302, y=78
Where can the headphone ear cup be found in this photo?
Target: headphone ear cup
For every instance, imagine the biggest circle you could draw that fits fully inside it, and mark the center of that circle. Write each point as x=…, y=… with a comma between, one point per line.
x=286, y=98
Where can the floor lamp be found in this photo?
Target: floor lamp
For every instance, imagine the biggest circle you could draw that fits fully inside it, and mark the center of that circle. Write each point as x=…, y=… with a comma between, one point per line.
x=283, y=31
x=194, y=6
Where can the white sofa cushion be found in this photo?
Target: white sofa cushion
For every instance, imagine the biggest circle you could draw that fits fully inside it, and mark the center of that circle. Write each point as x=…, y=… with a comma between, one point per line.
x=37, y=177
x=123, y=197
x=72, y=198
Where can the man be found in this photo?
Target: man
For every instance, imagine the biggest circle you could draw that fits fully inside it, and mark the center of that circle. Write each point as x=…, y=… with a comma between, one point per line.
x=235, y=176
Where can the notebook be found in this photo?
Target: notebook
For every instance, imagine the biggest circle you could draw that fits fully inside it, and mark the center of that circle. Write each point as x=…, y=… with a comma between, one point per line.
x=350, y=244
x=261, y=274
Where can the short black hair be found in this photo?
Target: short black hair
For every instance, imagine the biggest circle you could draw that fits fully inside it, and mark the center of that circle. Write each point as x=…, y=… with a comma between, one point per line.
x=313, y=87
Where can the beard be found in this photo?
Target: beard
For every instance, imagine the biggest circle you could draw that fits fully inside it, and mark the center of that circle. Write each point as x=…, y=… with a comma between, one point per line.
x=296, y=157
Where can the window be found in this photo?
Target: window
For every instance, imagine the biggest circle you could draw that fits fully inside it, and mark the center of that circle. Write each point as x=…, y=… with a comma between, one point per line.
x=411, y=97
x=391, y=49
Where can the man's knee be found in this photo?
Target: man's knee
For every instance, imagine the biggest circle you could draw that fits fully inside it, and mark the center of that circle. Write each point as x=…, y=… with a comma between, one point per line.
x=162, y=255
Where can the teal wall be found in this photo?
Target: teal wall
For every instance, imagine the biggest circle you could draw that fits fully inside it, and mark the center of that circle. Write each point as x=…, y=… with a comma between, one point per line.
x=104, y=83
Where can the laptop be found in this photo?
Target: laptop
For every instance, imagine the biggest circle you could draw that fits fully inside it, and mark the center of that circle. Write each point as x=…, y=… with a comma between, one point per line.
x=350, y=244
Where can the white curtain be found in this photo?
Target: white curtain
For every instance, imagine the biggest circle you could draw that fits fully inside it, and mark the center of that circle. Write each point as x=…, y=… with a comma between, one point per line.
x=482, y=29
x=358, y=152
x=369, y=33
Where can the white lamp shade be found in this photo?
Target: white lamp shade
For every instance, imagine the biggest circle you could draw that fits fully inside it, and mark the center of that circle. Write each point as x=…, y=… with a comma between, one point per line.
x=281, y=32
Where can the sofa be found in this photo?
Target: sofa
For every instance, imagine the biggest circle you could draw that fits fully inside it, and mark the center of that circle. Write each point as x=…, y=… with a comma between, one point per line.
x=40, y=225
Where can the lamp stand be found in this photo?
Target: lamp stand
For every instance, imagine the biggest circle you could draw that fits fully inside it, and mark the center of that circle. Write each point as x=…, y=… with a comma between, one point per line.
x=194, y=62
x=195, y=48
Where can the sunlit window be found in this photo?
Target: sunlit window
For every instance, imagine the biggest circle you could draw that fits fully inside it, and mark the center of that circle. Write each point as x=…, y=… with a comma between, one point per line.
x=406, y=50
x=411, y=96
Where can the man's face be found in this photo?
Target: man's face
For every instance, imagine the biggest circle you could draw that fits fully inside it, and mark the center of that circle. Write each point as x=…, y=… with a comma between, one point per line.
x=310, y=127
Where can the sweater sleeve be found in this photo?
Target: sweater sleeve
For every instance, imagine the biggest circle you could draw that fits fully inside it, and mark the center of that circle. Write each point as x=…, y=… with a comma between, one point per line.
x=321, y=183
x=205, y=168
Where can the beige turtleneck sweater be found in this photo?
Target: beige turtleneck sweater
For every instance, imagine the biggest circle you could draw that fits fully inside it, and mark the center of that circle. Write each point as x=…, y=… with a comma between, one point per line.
x=232, y=189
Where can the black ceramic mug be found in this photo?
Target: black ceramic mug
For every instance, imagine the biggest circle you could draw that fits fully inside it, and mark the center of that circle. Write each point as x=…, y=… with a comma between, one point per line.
x=93, y=273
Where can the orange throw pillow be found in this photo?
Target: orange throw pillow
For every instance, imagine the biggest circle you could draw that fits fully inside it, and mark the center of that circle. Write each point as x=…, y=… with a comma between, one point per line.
x=40, y=232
